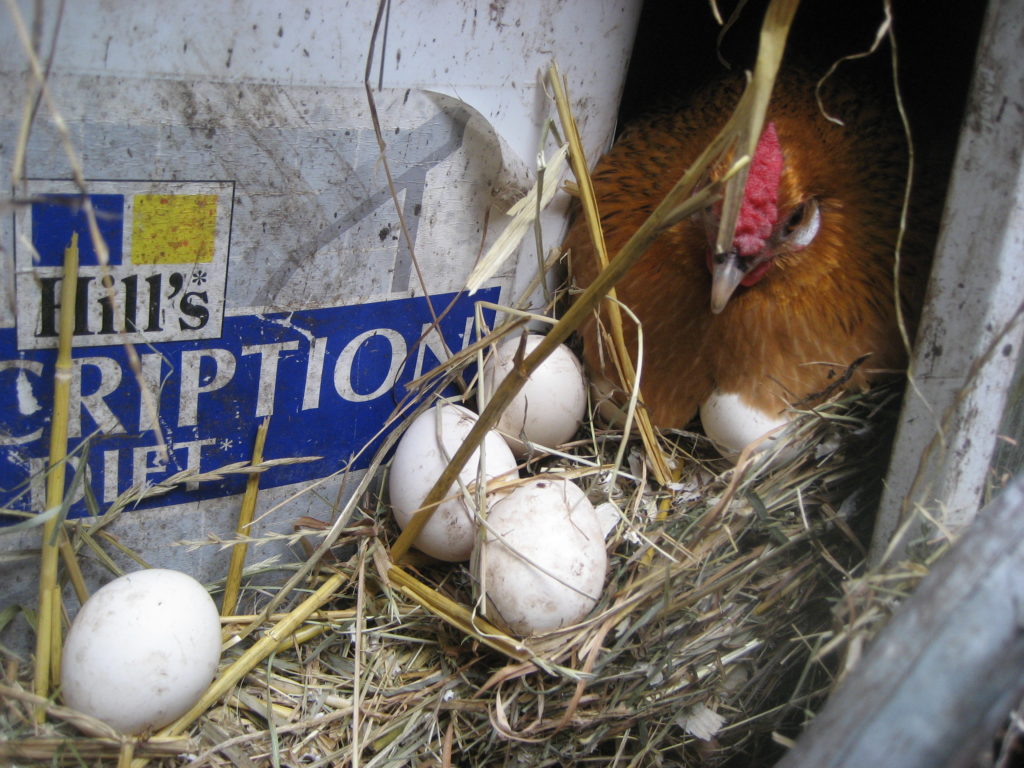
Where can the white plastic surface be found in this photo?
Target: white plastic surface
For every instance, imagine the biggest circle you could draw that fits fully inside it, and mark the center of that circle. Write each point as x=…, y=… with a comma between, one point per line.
x=260, y=106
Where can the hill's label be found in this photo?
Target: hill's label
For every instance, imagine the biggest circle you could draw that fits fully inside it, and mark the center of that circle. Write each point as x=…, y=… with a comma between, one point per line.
x=166, y=265
x=283, y=288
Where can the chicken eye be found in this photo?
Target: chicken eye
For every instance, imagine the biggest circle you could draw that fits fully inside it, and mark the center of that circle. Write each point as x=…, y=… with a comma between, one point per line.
x=802, y=225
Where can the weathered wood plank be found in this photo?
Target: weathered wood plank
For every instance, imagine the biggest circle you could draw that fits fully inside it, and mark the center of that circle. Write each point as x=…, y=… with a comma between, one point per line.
x=970, y=333
x=939, y=679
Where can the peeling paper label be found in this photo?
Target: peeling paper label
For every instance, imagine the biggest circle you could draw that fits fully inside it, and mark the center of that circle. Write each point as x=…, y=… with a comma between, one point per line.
x=259, y=269
x=328, y=377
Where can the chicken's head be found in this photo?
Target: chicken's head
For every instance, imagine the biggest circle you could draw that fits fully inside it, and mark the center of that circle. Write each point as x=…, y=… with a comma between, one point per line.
x=761, y=230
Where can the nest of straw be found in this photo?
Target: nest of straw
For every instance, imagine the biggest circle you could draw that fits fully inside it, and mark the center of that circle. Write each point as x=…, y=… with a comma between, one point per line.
x=727, y=591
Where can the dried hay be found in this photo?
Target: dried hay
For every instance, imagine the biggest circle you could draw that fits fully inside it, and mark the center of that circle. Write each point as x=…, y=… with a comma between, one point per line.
x=727, y=595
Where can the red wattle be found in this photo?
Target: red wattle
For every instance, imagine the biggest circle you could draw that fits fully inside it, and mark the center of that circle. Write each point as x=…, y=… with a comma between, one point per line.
x=756, y=273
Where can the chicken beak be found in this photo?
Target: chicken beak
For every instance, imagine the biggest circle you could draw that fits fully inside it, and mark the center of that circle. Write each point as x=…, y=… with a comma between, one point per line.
x=727, y=271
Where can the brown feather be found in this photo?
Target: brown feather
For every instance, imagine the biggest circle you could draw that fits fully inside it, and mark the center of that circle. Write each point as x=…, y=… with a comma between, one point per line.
x=815, y=312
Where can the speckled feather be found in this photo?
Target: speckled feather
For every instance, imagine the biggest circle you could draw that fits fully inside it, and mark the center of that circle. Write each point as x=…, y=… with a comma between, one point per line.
x=816, y=311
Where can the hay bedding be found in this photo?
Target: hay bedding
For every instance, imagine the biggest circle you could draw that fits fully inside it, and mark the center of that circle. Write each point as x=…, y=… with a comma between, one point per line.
x=708, y=648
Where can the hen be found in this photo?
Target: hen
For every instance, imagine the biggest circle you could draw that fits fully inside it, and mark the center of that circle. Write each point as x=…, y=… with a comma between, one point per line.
x=804, y=302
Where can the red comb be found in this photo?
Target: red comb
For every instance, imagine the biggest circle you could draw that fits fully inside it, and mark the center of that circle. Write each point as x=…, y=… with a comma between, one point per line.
x=759, y=210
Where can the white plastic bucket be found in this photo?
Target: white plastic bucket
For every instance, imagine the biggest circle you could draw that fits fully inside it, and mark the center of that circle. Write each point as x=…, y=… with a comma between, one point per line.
x=256, y=247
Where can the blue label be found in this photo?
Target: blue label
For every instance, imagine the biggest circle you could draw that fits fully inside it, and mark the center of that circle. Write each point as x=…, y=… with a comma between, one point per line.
x=328, y=378
x=55, y=217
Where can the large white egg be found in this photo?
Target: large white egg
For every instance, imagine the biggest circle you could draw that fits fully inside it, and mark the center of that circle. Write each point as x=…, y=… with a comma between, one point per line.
x=732, y=424
x=422, y=454
x=542, y=562
x=142, y=650
x=550, y=406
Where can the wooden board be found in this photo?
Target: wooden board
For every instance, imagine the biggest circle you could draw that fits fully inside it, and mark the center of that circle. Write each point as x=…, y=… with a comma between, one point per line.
x=941, y=677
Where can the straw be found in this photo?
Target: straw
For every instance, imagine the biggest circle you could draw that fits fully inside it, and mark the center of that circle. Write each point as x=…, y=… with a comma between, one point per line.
x=47, y=652
x=233, y=583
x=259, y=651
x=592, y=216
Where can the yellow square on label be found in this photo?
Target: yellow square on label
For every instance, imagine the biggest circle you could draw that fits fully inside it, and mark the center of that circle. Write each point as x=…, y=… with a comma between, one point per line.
x=173, y=229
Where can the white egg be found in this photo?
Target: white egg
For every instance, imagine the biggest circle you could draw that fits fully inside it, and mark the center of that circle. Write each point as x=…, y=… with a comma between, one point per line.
x=550, y=406
x=142, y=650
x=542, y=562
x=732, y=424
x=422, y=454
